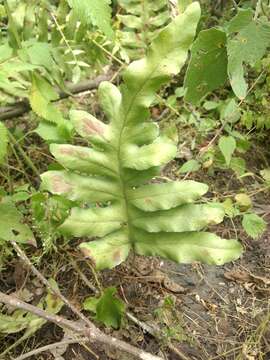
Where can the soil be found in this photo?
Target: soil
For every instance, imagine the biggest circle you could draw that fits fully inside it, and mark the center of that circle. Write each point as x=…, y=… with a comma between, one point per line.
x=203, y=312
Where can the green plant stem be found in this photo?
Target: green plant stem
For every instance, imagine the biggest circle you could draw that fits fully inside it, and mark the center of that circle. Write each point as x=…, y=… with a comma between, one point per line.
x=107, y=52
x=12, y=25
x=24, y=155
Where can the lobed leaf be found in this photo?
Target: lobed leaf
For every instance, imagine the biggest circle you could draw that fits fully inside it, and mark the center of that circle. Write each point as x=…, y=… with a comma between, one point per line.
x=167, y=195
x=115, y=205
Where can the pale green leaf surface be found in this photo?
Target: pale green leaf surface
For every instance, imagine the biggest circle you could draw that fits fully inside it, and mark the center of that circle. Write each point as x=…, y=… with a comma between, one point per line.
x=90, y=189
x=165, y=196
x=89, y=127
x=158, y=153
x=185, y=218
x=93, y=222
x=109, y=251
x=110, y=100
x=83, y=159
x=188, y=247
x=131, y=21
x=141, y=134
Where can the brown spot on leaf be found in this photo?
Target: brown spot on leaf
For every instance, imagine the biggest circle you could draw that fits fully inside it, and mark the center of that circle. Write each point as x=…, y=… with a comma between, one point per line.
x=117, y=256
x=87, y=253
x=91, y=127
x=67, y=150
x=148, y=200
x=59, y=185
x=82, y=154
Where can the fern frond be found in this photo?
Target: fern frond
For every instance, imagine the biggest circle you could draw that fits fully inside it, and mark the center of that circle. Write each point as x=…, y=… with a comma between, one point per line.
x=141, y=22
x=96, y=12
x=151, y=219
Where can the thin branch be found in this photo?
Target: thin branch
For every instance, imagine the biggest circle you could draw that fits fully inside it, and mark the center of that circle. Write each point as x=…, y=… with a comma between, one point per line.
x=89, y=330
x=51, y=347
x=22, y=107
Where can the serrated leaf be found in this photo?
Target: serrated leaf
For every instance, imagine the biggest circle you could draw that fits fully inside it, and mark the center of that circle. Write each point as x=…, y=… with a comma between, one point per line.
x=108, y=308
x=207, y=69
x=3, y=142
x=254, y=225
x=227, y=146
x=96, y=12
x=41, y=96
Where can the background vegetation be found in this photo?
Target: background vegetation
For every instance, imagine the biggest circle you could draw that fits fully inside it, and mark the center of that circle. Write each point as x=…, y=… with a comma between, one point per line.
x=214, y=112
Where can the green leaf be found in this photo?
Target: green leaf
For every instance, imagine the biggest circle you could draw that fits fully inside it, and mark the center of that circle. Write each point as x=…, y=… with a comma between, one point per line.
x=98, y=13
x=185, y=218
x=109, y=180
x=254, y=225
x=207, y=69
x=110, y=251
x=108, y=308
x=189, y=166
x=167, y=195
x=3, y=142
x=243, y=201
x=238, y=165
x=247, y=47
x=183, y=4
x=227, y=146
x=41, y=96
x=11, y=226
x=240, y=20
x=188, y=247
x=165, y=57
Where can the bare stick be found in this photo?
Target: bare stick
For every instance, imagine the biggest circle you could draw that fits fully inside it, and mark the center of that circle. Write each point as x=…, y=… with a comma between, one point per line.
x=21, y=107
x=51, y=347
x=89, y=330
x=55, y=291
